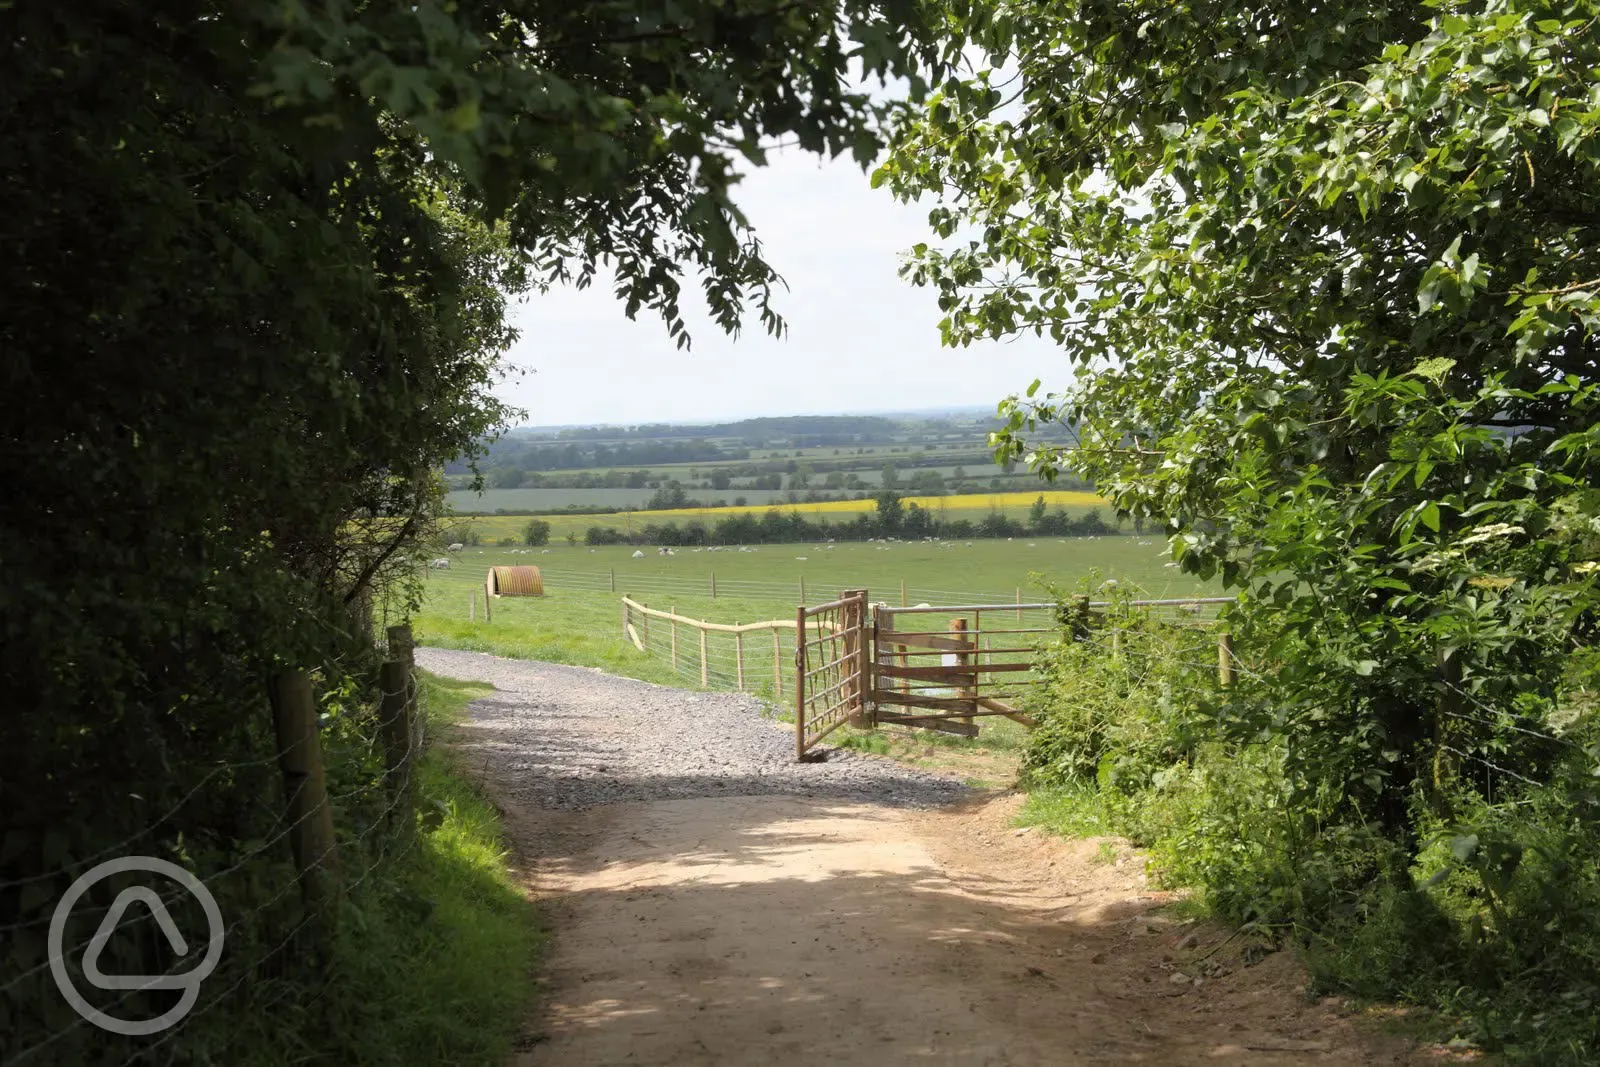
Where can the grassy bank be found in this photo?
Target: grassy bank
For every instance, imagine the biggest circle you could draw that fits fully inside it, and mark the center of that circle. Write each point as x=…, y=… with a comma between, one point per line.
x=432, y=959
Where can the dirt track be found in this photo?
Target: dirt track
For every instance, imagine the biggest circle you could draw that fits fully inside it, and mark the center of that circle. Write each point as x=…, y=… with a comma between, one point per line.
x=792, y=929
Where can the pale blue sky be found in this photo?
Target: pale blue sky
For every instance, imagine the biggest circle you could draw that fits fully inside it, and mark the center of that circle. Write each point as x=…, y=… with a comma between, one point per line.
x=860, y=339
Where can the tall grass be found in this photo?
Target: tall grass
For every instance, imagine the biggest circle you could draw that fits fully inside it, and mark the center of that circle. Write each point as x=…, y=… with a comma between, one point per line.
x=431, y=957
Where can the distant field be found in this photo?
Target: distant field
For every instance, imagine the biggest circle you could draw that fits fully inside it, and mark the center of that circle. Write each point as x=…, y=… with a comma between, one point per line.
x=992, y=571
x=492, y=500
x=540, y=499
x=971, y=506
x=577, y=621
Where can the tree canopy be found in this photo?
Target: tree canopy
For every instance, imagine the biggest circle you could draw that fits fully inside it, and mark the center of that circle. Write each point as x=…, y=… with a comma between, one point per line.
x=261, y=254
x=1328, y=280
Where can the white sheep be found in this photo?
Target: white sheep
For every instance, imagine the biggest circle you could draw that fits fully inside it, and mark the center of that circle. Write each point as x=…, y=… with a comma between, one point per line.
x=457, y=547
x=440, y=564
x=637, y=554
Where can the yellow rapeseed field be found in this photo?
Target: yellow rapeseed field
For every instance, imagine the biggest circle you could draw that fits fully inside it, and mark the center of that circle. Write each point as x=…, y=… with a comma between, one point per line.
x=967, y=505
x=961, y=502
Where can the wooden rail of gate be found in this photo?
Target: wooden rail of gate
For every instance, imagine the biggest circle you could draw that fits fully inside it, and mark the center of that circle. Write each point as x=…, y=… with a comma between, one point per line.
x=833, y=667
x=979, y=662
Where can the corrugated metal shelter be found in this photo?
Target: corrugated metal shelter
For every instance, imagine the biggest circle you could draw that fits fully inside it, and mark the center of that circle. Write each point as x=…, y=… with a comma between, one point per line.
x=514, y=581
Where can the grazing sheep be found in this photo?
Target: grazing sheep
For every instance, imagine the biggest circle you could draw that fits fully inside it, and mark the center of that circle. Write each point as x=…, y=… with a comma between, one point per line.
x=637, y=554
x=457, y=547
x=440, y=564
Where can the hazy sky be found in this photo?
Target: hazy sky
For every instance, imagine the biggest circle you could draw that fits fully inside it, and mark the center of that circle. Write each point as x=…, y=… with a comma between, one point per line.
x=860, y=338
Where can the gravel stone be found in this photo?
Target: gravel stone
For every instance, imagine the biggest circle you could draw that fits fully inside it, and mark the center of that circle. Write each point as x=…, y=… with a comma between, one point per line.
x=569, y=738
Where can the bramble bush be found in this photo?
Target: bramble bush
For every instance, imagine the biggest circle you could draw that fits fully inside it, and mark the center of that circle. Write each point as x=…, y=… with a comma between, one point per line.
x=1491, y=913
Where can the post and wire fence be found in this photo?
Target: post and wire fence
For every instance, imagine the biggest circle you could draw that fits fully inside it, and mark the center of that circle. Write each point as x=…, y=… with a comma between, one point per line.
x=460, y=586
x=280, y=892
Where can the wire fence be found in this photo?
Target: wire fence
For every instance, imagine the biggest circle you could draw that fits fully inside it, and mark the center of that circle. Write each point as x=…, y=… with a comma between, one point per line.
x=465, y=575
x=283, y=883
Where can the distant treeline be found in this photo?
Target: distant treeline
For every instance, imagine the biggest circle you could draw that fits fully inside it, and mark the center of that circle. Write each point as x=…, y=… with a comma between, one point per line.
x=803, y=431
x=610, y=456
x=519, y=454
x=890, y=520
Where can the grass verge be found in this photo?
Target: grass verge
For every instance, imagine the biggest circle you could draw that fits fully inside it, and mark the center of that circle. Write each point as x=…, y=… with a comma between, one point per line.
x=433, y=957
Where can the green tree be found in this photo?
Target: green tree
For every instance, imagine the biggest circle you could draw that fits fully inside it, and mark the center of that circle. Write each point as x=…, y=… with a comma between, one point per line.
x=536, y=533
x=890, y=511
x=261, y=254
x=1037, y=512
x=1332, y=290
x=505, y=478
x=891, y=478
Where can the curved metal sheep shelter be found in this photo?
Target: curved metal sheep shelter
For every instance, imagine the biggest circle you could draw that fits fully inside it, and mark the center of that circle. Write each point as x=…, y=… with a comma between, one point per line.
x=514, y=581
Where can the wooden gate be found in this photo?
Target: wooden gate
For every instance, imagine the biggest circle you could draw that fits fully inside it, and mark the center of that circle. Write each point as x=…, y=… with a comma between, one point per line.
x=939, y=672
x=833, y=667
x=937, y=668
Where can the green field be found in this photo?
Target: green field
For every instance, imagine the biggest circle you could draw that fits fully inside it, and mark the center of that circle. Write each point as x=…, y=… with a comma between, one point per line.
x=578, y=620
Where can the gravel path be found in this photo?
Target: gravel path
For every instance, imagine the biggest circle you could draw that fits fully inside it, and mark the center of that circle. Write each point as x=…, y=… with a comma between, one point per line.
x=571, y=738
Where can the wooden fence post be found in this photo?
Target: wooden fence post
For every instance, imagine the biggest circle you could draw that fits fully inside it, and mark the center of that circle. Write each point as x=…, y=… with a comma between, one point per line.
x=488, y=612
x=403, y=647
x=644, y=627
x=977, y=648
x=294, y=715
x=800, y=683
x=777, y=664
x=624, y=615
x=868, y=664
x=802, y=589
x=713, y=585
x=613, y=573
x=1019, y=605
x=738, y=657
x=705, y=673
x=1225, y=659
x=674, y=611
x=958, y=631
x=394, y=725
x=902, y=592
